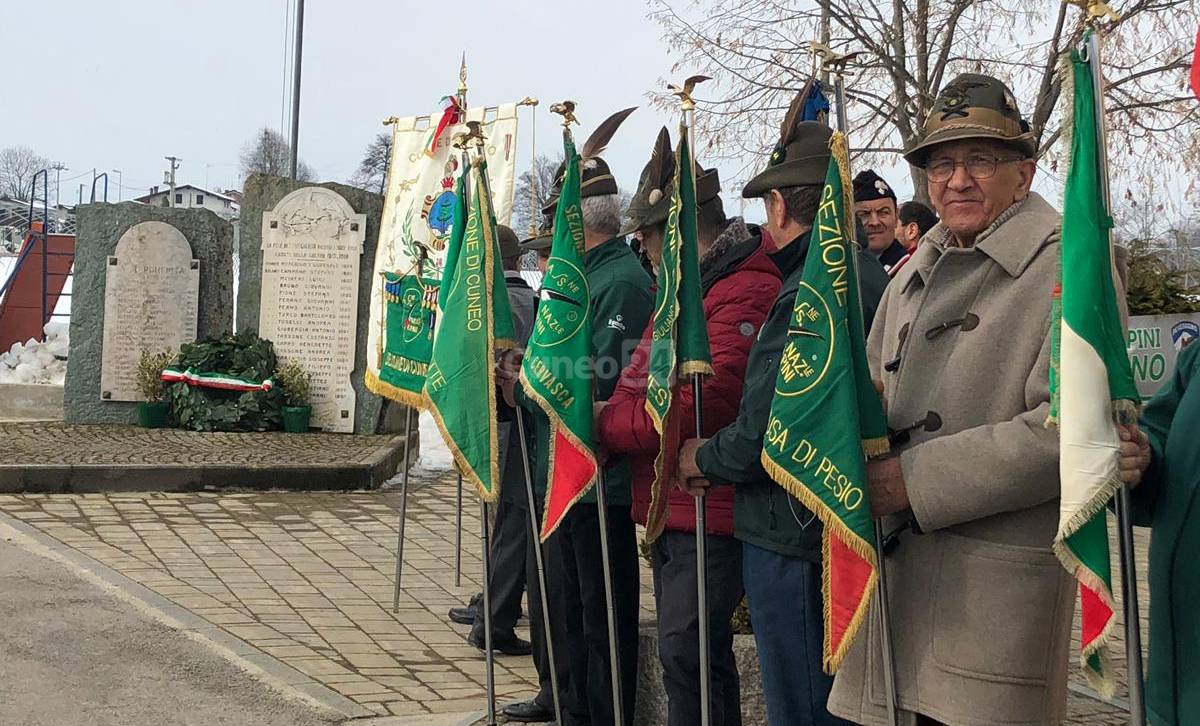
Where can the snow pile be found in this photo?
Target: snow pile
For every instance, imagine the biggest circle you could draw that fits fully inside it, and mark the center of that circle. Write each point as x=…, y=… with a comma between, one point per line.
x=38, y=362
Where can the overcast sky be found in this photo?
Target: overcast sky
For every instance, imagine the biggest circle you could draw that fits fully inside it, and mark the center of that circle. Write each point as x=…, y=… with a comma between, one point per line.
x=120, y=85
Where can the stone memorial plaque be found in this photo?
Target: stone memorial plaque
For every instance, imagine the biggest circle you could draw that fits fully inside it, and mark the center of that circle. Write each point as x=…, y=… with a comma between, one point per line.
x=311, y=246
x=151, y=293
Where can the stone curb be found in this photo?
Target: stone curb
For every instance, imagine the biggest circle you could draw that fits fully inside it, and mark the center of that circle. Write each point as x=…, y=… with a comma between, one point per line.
x=91, y=478
x=270, y=671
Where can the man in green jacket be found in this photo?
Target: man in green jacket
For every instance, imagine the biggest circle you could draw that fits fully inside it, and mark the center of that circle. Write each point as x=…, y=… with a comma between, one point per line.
x=622, y=302
x=781, y=540
x=1167, y=463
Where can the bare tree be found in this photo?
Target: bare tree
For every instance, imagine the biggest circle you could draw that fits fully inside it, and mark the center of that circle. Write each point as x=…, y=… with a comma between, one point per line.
x=757, y=52
x=525, y=207
x=18, y=164
x=372, y=170
x=269, y=153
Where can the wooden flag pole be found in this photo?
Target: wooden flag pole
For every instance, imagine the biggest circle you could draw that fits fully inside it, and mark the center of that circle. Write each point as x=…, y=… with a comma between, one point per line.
x=1129, y=592
x=837, y=64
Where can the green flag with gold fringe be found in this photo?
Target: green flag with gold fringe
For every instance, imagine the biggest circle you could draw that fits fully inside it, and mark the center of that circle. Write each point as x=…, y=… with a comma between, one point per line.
x=406, y=345
x=679, y=347
x=826, y=416
x=557, y=373
x=476, y=321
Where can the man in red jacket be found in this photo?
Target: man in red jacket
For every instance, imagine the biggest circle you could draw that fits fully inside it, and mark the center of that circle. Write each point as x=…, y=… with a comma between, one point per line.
x=740, y=282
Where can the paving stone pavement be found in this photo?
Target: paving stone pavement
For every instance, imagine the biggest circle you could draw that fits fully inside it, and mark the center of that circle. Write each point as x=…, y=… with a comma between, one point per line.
x=306, y=578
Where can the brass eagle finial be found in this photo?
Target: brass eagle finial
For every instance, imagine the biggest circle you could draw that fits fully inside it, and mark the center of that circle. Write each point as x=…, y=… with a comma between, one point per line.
x=566, y=109
x=684, y=93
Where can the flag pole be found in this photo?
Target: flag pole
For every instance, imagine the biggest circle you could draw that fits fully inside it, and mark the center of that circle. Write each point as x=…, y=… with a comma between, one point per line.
x=606, y=564
x=489, y=654
x=458, y=510
x=458, y=531
x=1129, y=592
x=538, y=558
x=688, y=106
x=403, y=508
x=837, y=64
x=475, y=134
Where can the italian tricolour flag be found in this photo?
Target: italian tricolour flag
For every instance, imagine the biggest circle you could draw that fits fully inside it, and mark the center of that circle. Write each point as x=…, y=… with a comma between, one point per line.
x=1090, y=378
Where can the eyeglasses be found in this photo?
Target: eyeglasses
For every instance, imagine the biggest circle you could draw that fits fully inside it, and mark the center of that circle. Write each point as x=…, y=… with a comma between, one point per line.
x=979, y=166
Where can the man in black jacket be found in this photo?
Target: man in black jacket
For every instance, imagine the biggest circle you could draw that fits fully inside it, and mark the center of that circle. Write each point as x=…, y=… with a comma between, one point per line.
x=510, y=531
x=781, y=540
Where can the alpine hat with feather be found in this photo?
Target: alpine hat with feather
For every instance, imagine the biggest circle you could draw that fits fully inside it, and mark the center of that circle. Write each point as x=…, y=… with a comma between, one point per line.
x=651, y=203
x=543, y=237
x=596, y=178
x=801, y=157
x=974, y=106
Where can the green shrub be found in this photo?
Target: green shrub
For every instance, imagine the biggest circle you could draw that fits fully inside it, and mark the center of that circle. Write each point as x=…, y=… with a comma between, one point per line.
x=296, y=383
x=149, y=374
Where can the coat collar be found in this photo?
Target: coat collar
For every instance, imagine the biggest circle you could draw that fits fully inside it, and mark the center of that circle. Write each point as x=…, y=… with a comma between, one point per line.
x=1012, y=241
x=605, y=252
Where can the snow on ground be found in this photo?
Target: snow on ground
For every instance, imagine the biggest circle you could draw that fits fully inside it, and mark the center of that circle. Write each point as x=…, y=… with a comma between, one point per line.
x=435, y=456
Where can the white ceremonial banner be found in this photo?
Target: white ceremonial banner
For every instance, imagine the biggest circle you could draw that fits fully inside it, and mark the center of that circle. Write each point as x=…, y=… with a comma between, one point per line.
x=418, y=216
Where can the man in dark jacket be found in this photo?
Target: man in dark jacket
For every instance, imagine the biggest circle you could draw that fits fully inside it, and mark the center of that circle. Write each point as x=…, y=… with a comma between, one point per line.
x=740, y=282
x=621, y=305
x=781, y=540
x=875, y=207
x=510, y=530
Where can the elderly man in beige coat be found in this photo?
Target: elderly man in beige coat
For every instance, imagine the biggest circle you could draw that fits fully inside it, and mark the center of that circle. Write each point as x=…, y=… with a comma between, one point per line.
x=980, y=608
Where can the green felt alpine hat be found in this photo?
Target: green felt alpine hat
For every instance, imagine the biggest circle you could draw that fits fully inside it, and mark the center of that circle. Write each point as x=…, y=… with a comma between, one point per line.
x=801, y=158
x=596, y=178
x=651, y=203
x=974, y=106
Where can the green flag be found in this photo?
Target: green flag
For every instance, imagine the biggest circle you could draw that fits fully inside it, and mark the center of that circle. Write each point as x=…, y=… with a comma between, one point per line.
x=475, y=321
x=679, y=347
x=557, y=370
x=406, y=345
x=1091, y=379
x=826, y=415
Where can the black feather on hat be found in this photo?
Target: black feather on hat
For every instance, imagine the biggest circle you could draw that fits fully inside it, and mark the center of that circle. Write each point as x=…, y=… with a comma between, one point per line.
x=597, y=179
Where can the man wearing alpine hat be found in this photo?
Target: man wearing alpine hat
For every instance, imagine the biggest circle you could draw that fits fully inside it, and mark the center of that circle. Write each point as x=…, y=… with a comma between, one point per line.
x=980, y=606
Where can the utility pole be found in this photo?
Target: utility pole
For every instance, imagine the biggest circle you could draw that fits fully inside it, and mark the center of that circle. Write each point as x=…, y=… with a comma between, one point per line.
x=118, y=173
x=169, y=177
x=296, y=63
x=58, y=168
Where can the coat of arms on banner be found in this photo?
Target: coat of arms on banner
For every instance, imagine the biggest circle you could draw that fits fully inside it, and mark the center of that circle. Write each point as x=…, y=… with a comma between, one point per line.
x=418, y=219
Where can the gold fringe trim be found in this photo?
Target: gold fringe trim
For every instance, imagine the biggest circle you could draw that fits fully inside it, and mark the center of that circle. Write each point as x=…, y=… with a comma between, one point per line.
x=876, y=447
x=556, y=423
x=696, y=367
x=840, y=150
x=660, y=511
x=460, y=460
x=1103, y=682
x=833, y=527
x=394, y=393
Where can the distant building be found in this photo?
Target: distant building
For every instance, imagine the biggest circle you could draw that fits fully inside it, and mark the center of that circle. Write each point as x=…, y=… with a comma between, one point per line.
x=187, y=196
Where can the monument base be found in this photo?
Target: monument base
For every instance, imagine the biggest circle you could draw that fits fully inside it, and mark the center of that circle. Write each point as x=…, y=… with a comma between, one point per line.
x=52, y=457
x=31, y=402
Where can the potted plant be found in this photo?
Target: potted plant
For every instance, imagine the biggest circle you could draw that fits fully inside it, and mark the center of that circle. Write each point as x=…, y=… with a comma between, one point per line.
x=152, y=412
x=296, y=383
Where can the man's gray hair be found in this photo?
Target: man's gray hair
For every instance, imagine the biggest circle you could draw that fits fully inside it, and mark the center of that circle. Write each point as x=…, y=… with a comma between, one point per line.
x=602, y=213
